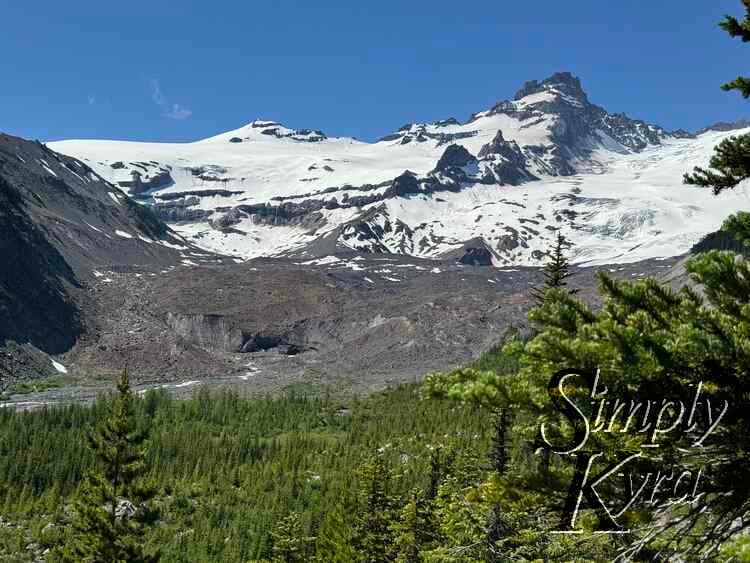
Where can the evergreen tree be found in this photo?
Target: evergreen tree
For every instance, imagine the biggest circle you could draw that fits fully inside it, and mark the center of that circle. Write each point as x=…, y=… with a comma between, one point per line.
x=415, y=531
x=373, y=533
x=440, y=462
x=500, y=447
x=741, y=29
x=496, y=530
x=556, y=270
x=113, y=510
x=651, y=341
x=335, y=542
x=739, y=226
x=290, y=543
x=730, y=163
x=461, y=517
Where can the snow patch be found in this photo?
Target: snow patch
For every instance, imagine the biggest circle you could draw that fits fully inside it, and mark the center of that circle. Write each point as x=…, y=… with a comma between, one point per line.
x=325, y=261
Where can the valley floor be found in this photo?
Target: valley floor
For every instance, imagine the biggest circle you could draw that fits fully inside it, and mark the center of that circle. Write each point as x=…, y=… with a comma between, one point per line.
x=353, y=322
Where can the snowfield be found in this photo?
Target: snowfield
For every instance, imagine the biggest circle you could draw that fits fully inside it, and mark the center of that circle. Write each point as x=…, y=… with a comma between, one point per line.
x=620, y=205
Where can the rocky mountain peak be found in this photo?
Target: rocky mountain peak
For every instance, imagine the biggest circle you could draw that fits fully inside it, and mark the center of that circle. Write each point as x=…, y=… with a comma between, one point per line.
x=564, y=82
x=723, y=126
x=454, y=156
x=273, y=129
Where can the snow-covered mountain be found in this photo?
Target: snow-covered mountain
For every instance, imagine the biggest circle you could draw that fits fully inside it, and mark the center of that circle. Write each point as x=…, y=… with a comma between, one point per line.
x=495, y=188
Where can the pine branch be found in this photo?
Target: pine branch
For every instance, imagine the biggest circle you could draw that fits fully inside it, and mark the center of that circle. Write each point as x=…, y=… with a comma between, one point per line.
x=735, y=28
x=740, y=83
x=729, y=165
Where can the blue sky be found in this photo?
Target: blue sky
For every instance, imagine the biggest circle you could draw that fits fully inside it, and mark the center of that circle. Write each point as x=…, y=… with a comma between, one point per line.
x=185, y=70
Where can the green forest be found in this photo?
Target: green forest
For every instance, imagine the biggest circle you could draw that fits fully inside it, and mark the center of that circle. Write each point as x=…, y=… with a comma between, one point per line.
x=239, y=479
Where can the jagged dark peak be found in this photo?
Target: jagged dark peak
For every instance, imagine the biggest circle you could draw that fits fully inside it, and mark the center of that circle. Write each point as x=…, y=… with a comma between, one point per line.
x=495, y=146
x=263, y=123
x=682, y=134
x=276, y=129
x=423, y=126
x=504, y=162
x=724, y=126
x=403, y=185
x=446, y=122
x=564, y=82
x=455, y=156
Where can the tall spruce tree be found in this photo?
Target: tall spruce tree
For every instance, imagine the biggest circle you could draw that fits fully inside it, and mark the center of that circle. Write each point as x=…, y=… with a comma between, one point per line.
x=416, y=530
x=373, y=530
x=290, y=542
x=113, y=509
x=730, y=163
x=335, y=541
x=499, y=450
x=556, y=270
x=653, y=342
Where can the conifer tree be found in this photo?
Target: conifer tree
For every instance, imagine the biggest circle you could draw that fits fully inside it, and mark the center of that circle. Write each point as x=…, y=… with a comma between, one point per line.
x=335, y=541
x=440, y=462
x=415, y=531
x=112, y=511
x=290, y=543
x=373, y=533
x=652, y=341
x=730, y=163
x=739, y=226
x=500, y=448
x=741, y=29
x=556, y=270
x=496, y=530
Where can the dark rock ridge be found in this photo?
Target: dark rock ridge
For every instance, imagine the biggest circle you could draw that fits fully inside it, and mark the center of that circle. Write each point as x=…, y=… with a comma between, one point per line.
x=476, y=257
x=506, y=163
x=576, y=127
x=419, y=133
x=719, y=240
x=501, y=163
x=455, y=156
x=274, y=129
x=197, y=193
x=369, y=232
x=579, y=119
x=723, y=126
x=209, y=173
x=59, y=222
x=180, y=210
x=161, y=178
x=564, y=82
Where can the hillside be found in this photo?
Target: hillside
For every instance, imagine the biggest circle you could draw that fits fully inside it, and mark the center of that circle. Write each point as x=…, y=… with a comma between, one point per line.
x=61, y=225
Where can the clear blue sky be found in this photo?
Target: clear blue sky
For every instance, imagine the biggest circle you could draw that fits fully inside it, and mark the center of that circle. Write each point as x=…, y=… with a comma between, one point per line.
x=185, y=70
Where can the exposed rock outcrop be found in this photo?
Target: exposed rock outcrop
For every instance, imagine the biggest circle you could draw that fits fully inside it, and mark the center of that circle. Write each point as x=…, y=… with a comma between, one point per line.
x=139, y=184
x=455, y=156
x=59, y=223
